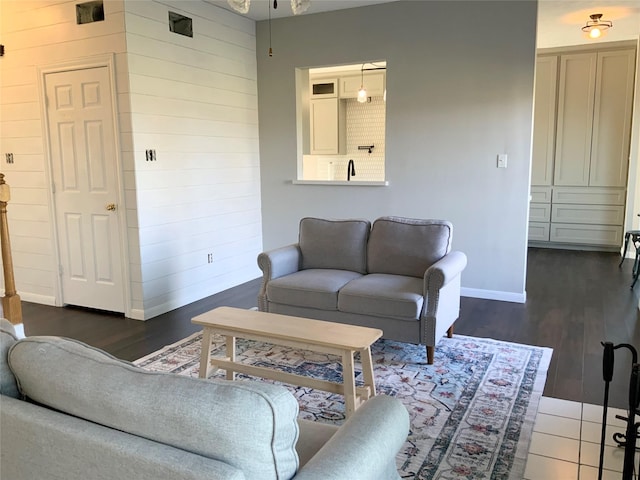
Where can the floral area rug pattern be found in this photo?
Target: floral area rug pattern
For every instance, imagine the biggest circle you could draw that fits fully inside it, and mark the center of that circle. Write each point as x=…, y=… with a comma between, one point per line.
x=472, y=411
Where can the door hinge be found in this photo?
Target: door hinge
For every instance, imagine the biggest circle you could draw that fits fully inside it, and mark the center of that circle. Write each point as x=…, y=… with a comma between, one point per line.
x=60, y=270
x=53, y=187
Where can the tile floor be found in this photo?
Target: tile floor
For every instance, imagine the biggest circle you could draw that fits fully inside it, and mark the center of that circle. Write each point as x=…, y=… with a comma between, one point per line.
x=566, y=442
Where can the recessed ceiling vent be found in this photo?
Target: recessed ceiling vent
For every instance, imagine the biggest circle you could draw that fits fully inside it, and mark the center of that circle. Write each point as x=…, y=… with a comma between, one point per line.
x=89, y=12
x=180, y=24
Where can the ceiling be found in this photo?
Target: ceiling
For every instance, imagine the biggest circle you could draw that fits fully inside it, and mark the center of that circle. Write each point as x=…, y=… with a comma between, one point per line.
x=259, y=9
x=559, y=21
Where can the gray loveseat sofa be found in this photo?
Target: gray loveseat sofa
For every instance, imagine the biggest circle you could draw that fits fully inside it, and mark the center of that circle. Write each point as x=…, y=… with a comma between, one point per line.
x=398, y=275
x=71, y=412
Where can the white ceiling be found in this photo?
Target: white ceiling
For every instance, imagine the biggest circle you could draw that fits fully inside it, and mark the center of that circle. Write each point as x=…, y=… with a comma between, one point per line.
x=559, y=21
x=259, y=9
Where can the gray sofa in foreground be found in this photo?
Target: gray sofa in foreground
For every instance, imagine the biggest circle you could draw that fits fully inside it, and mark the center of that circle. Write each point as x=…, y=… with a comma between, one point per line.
x=71, y=412
x=398, y=275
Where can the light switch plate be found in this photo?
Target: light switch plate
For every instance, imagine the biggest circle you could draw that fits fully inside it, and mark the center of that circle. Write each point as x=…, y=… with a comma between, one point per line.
x=502, y=160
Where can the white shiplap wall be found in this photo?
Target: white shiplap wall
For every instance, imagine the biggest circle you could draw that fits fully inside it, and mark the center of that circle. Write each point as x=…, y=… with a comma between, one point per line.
x=37, y=34
x=193, y=100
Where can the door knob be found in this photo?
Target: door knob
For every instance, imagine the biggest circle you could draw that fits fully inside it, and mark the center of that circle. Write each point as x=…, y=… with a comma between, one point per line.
x=111, y=207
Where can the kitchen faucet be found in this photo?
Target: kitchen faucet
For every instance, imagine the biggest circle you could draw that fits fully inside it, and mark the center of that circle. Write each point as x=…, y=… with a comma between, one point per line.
x=351, y=170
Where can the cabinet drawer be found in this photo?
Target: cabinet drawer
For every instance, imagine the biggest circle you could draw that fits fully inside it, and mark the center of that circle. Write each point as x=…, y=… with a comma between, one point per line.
x=539, y=231
x=586, y=234
x=592, y=214
x=589, y=195
x=541, y=194
x=539, y=212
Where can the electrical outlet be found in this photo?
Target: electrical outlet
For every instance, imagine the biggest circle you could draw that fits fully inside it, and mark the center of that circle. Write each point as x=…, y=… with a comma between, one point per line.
x=210, y=258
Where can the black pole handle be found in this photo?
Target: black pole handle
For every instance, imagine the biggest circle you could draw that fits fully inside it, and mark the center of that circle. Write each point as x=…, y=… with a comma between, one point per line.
x=607, y=361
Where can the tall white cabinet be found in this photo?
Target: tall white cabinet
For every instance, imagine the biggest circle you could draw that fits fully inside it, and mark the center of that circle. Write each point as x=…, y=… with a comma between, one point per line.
x=582, y=130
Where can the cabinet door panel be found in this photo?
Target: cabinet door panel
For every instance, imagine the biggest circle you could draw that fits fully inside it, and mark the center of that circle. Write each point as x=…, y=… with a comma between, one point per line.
x=589, y=195
x=590, y=214
x=586, y=234
x=544, y=120
x=539, y=212
x=541, y=194
x=324, y=126
x=373, y=83
x=575, y=119
x=538, y=232
x=612, y=118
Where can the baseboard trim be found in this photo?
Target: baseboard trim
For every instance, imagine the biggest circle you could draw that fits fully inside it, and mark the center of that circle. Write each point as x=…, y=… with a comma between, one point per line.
x=35, y=298
x=136, y=314
x=494, y=295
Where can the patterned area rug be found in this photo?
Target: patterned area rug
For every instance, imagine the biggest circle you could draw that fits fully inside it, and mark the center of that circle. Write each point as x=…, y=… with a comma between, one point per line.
x=472, y=411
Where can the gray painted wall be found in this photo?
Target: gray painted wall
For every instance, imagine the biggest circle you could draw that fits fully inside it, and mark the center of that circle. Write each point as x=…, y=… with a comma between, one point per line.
x=459, y=92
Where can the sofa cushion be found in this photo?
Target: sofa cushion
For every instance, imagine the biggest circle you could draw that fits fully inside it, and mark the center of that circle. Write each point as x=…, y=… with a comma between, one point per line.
x=315, y=288
x=337, y=244
x=383, y=295
x=406, y=246
x=7, y=339
x=249, y=425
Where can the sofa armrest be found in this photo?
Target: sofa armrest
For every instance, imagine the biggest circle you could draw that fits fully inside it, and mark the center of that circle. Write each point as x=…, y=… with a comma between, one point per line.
x=277, y=263
x=444, y=270
x=365, y=446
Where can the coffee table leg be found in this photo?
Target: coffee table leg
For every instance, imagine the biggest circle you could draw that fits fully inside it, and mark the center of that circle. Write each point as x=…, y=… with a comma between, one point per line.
x=231, y=353
x=205, y=354
x=367, y=370
x=349, y=380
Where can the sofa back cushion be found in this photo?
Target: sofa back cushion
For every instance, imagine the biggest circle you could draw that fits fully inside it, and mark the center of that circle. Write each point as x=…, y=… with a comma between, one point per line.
x=407, y=246
x=335, y=244
x=249, y=425
x=7, y=339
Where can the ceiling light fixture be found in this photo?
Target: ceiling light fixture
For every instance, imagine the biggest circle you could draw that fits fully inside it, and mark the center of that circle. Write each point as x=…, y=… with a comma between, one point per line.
x=596, y=27
x=297, y=6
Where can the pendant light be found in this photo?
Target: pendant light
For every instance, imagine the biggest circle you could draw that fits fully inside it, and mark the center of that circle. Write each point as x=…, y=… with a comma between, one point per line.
x=362, y=93
x=596, y=27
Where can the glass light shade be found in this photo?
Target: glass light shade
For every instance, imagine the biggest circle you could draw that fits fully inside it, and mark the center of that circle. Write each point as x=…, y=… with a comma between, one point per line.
x=240, y=6
x=299, y=6
x=362, y=94
x=595, y=33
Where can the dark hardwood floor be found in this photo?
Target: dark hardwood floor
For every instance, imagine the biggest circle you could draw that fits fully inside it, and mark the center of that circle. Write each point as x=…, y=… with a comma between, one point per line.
x=575, y=300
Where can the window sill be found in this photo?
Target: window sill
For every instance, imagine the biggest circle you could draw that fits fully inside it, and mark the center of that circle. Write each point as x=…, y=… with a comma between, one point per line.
x=341, y=183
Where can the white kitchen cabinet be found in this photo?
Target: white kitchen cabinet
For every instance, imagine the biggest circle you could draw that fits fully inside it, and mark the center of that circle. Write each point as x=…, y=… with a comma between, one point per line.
x=544, y=120
x=539, y=232
x=612, y=118
x=583, y=104
x=373, y=83
x=585, y=234
x=575, y=119
x=595, y=97
x=327, y=132
x=539, y=213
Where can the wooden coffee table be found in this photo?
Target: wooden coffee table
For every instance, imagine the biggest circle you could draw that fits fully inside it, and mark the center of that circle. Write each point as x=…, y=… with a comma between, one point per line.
x=316, y=335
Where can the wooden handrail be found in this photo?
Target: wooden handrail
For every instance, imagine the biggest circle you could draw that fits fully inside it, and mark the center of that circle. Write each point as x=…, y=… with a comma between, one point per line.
x=11, y=305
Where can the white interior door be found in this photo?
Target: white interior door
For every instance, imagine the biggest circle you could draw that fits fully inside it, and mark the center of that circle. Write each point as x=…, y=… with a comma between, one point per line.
x=84, y=171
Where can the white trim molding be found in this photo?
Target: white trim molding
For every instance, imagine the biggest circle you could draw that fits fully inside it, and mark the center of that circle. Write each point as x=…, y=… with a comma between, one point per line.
x=494, y=295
